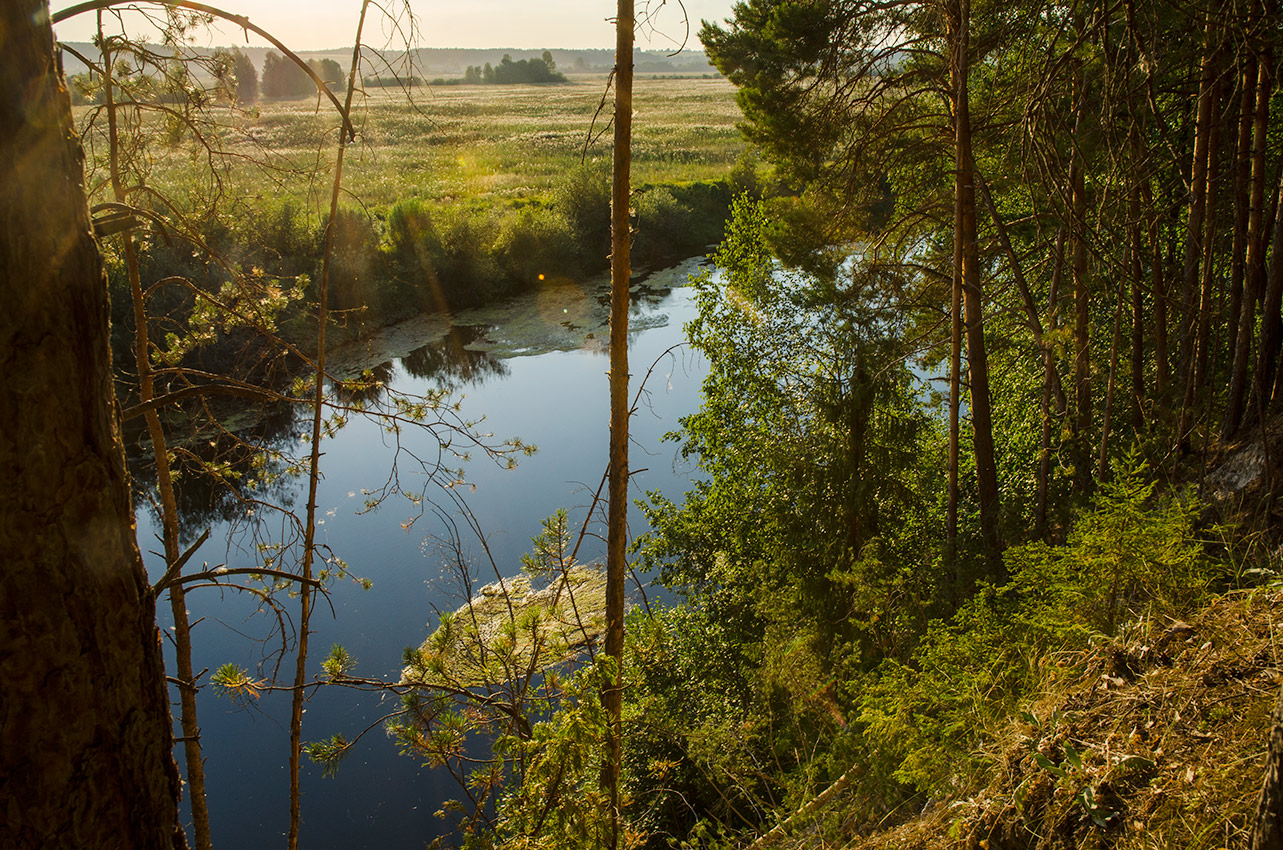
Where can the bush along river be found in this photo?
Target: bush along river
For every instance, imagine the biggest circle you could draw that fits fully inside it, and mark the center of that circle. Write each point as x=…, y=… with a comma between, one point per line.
x=532, y=368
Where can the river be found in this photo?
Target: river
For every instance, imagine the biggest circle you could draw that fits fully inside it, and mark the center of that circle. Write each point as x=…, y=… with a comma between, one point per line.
x=534, y=368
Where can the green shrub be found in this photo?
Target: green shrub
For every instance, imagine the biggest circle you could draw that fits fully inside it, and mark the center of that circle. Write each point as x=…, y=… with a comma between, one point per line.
x=582, y=197
x=676, y=221
x=355, y=266
x=1133, y=554
x=466, y=271
x=534, y=244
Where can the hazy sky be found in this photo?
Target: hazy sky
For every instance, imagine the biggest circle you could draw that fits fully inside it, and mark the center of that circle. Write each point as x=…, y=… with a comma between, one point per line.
x=318, y=24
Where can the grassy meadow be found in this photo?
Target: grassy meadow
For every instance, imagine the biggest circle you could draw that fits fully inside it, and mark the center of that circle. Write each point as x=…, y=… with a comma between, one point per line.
x=454, y=195
x=455, y=144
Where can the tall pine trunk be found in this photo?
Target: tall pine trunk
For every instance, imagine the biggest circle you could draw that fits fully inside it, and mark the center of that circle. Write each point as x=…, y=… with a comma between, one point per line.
x=977, y=358
x=185, y=677
x=617, y=506
x=1254, y=266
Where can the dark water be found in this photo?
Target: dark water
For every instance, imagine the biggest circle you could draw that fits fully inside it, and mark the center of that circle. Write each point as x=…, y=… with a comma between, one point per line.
x=526, y=387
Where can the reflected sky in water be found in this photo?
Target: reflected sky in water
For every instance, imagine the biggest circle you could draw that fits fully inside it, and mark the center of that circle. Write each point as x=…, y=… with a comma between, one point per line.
x=532, y=369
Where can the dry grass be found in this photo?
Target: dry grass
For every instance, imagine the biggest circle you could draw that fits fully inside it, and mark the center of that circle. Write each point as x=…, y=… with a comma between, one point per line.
x=1168, y=724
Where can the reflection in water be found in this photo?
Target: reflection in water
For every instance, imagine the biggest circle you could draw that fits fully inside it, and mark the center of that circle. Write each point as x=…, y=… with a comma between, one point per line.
x=216, y=469
x=366, y=387
x=451, y=364
x=222, y=455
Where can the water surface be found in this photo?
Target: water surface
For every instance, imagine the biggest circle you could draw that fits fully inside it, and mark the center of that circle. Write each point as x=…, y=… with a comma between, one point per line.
x=534, y=368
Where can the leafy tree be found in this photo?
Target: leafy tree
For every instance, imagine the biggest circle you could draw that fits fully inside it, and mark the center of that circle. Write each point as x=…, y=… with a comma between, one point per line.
x=330, y=72
x=282, y=78
x=240, y=75
x=855, y=99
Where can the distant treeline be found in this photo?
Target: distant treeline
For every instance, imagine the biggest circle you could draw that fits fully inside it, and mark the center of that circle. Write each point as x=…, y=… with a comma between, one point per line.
x=534, y=70
x=283, y=78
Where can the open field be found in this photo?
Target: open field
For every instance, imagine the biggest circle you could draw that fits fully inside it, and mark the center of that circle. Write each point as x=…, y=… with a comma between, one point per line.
x=466, y=144
x=455, y=195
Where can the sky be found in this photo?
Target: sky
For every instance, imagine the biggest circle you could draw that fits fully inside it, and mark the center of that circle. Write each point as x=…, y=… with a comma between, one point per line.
x=320, y=24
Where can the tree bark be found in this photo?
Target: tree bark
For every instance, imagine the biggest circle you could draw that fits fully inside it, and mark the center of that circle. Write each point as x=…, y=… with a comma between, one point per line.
x=85, y=733
x=1242, y=194
x=1082, y=302
x=977, y=358
x=1268, y=831
x=617, y=508
x=1254, y=271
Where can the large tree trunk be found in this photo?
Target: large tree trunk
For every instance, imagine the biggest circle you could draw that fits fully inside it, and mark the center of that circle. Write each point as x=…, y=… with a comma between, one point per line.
x=1268, y=831
x=85, y=731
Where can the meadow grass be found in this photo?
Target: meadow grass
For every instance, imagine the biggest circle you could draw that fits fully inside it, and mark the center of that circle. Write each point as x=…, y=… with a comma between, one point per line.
x=476, y=145
x=454, y=195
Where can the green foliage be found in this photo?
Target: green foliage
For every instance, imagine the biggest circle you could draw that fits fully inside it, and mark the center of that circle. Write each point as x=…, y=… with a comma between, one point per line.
x=582, y=197
x=328, y=753
x=1132, y=554
x=805, y=553
x=340, y=663
x=500, y=669
x=235, y=682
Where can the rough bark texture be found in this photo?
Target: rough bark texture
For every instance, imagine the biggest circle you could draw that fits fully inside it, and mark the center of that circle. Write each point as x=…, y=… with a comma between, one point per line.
x=1268, y=833
x=84, y=723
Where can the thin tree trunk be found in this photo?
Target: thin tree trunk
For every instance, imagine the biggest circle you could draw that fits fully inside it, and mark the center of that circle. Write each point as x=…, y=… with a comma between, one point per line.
x=1208, y=291
x=184, y=672
x=1136, y=272
x=1022, y=286
x=1200, y=246
x=1049, y=366
x=85, y=734
x=617, y=506
x=1102, y=460
x=955, y=402
x=1242, y=193
x=977, y=358
x=314, y=462
x=1263, y=388
x=1082, y=305
x=1158, y=290
x=1255, y=261
x=1197, y=208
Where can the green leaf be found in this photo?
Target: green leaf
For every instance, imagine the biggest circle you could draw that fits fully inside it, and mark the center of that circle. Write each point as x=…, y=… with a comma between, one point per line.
x=1049, y=766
